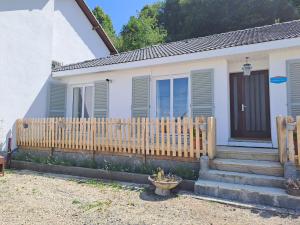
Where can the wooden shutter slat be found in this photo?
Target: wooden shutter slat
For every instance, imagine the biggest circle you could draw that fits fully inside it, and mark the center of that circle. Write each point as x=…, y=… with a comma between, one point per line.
x=57, y=100
x=140, y=96
x=293, y=73
x=202, y=93
x=101, y=100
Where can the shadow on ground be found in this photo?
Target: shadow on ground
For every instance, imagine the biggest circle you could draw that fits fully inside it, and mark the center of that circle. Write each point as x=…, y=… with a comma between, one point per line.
x=149, y=195
x=269, y=214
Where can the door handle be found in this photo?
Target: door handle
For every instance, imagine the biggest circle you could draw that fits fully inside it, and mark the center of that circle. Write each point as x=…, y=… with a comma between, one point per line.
x=243, y=107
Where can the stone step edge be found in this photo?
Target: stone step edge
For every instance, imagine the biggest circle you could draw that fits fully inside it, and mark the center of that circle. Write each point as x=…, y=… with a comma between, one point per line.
x=247, y=162
x=276, y=193
x=208, y=175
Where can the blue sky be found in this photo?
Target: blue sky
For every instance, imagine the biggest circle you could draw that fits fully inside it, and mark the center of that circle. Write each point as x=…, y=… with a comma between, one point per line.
x=120, y=10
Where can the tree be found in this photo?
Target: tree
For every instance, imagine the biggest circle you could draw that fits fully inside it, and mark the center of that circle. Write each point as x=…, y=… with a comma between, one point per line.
x=194, y=18
x=143, y=30
x=107, y=25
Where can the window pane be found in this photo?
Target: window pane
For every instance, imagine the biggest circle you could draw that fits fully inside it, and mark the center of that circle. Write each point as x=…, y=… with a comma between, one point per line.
x=180, y=97
x=163, y=98
x=88, y=102
x=77, y=102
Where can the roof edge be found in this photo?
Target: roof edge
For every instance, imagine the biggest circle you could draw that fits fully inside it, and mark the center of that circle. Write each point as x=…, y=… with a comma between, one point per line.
x=216, y=53
x=97, y=26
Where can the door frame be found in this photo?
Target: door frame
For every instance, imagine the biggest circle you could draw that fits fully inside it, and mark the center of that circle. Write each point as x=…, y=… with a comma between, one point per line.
x=232, y=136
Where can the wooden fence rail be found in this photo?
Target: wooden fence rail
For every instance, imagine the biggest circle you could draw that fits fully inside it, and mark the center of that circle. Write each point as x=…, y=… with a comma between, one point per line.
x=185, y=138
x=288, y=131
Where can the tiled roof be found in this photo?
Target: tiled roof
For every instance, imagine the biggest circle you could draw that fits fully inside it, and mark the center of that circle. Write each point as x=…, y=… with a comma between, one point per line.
x=217, y=41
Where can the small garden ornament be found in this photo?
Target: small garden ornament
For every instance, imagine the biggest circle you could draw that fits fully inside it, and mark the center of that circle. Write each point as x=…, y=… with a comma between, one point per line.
x=164, y=183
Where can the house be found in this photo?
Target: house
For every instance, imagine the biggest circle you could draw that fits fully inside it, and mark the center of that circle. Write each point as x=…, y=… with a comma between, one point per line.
x=241, y=80
x=34, y=35
x=200, y=76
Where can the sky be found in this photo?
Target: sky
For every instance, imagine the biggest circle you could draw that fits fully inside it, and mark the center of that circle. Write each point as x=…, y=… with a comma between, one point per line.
x=120, y=10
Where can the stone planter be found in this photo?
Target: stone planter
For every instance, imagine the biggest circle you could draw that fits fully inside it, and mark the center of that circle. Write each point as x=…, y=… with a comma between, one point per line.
x=294, y=192
x=163, y=188
x=292, y=187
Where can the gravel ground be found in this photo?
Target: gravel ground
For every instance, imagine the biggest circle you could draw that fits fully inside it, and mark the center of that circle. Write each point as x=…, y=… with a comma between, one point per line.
x=34, y=198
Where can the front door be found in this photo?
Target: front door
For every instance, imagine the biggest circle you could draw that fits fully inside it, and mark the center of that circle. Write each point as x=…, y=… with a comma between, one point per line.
x=250, y=105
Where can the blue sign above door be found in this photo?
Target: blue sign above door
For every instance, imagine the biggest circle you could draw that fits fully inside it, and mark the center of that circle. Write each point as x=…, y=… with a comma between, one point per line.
x=278, y=80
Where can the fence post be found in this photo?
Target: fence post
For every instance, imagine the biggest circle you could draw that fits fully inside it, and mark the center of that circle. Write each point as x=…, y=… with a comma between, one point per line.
x=282, y=138
x=290, y=136
x=211, y=137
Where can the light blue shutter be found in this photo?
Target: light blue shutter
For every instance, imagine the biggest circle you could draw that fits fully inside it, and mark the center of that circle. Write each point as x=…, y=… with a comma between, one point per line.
x=293, y=87
x=202, y=93
x=101, y=99
x=140, y=96
x=57, y=100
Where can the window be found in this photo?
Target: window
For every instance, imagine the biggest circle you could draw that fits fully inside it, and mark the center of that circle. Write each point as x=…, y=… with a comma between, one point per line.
x=172, y=97
x=180, y=97
x=83, y=102
x=163, y=98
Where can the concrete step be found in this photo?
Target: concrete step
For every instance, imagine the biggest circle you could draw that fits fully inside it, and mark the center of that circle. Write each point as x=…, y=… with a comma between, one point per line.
x=248, y=166
x=242, y=178
x=275, y=197
x=264, y=154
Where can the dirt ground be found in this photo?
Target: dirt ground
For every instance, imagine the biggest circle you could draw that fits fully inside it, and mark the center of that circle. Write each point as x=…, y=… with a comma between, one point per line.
x=34, y=198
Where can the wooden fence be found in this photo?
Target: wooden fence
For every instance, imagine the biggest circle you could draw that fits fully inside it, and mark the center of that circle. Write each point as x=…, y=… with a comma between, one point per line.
x=183, y=138
x=288, y=132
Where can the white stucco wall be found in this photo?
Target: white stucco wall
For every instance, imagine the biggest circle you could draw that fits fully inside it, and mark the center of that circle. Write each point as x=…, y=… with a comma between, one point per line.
x=26, y=51
x=74, y=40
x=33, y=33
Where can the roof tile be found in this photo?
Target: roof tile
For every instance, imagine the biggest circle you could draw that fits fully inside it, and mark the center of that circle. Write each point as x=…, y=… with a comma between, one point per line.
x=249, y=36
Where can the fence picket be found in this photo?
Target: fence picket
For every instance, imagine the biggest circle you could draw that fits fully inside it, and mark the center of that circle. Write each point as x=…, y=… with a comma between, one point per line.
x=191, y=126
x=185, y=139
x=179, y=136
x=162, y=136
x=168, y=137
x=147, y=136
x=173, y=127
x=197, y=133
x=129, y=135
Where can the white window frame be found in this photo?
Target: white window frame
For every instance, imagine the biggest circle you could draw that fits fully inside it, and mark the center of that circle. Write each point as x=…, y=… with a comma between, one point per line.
x=171, y=78
x=83, y=86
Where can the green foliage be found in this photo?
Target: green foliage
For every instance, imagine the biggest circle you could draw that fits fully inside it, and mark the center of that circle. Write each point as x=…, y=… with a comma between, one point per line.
x=173, y=20
x=105, y=21
x=107, y=25
x=97, y=205
x=143, y=30
x=194, y=18
x=75, y=202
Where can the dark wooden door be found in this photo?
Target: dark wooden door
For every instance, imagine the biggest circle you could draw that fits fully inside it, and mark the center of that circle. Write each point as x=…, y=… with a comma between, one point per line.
x=250, y=105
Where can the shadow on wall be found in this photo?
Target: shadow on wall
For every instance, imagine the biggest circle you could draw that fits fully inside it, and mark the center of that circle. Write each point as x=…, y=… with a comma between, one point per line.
x=82, y=27
x=13, y=5
x=37, y=109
